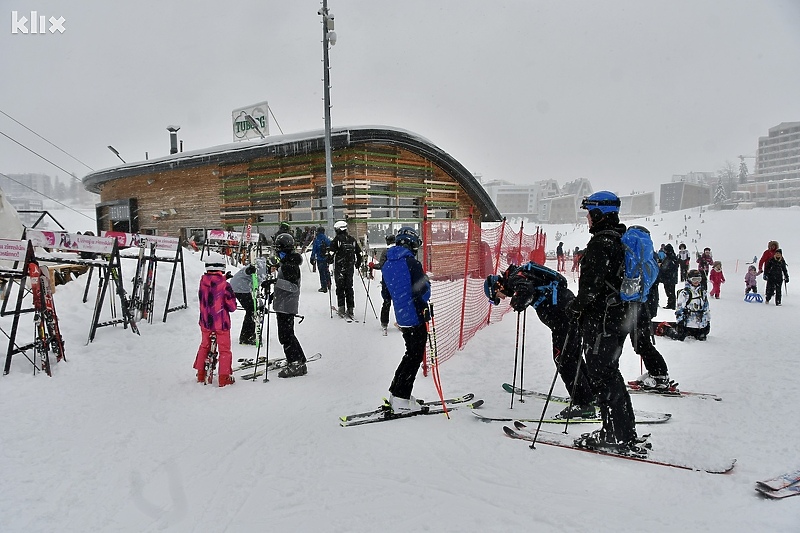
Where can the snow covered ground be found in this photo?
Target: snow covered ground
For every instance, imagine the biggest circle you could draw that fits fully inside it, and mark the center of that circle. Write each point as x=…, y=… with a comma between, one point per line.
x=121, y=438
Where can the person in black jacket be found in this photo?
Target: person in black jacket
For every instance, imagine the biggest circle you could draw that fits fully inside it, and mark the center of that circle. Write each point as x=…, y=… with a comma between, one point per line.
x=548, y=293
x=387, y=300
x=285, y=304
x=601, y=318
x=774, y=273
x=668, y=274
x=345, y=253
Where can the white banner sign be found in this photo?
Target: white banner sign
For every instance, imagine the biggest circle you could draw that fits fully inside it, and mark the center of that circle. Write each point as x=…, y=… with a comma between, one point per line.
x=13, y=250
x=125, y=240
x=70, y=242
x=250, y=122
x=222, y=235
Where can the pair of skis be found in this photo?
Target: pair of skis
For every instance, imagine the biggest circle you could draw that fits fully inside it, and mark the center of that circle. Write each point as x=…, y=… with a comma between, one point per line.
x=384, y=412
x=271, y=364
x=143, y=291
x=779, y=487
x=632, y=388
x=47, y=334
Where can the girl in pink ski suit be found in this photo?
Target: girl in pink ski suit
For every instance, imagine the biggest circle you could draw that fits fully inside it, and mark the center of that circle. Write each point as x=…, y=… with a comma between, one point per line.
x=217, y=301
x=717, y=278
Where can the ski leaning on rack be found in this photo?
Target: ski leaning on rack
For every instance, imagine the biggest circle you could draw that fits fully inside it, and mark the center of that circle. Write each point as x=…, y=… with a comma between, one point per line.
x=384, y=413
x=642, y=417
x=273, y=364
x=47, y=332
x=522, y=432
x=562, y=399
x=782, y=486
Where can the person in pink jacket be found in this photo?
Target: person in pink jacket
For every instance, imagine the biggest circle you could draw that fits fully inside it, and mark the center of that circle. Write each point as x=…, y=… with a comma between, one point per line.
x=717, y=278
x=217, y=301
x=750, y=280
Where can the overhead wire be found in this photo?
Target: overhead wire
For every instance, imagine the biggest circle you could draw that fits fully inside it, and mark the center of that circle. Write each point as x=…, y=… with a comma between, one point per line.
x=43, y=194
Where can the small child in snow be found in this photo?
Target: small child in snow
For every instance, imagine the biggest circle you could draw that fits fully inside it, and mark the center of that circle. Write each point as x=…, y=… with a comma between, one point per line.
x=692, y=314
x=217, y=301
x=717, y=279
x=775, y=273
x=751, y=280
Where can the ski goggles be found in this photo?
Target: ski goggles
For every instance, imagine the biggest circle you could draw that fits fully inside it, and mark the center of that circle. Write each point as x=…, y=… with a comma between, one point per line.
x=695, y=279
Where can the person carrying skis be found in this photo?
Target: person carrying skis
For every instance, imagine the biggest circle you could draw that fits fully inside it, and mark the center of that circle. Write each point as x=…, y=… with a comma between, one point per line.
x=548, y=293
x=346, y=255
x=692, y=314
x=717, y=279
x=767, y=255
x=319, y=255
x=405, y=282
x=242, y=283
x=601, y=317
x=775, y=272
x=683, y=257
x=387, y=302
x=668, y=275
x=217, y=301
x=286, y=303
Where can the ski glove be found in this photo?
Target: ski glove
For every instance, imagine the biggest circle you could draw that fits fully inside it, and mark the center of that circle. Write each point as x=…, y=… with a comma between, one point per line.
x=522, y=299
x=250, y=270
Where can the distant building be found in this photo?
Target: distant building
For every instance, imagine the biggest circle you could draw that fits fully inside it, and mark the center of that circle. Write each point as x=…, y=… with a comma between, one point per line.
x=683, y=195
x=776, y=181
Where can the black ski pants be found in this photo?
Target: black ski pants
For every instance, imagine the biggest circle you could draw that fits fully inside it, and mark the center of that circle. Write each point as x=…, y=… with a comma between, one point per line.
x=602, y=351
x=773, y=289
x=344, y=287
x=248, y=333
x=568, y=359
x=291, y=346
x=642, y=342
x=403, y=382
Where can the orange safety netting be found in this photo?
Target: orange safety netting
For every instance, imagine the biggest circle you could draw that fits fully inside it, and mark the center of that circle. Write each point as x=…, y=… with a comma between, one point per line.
x=458, y=255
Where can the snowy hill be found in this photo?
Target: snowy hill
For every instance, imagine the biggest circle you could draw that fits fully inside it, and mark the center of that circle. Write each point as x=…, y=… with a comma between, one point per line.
x=121, y=438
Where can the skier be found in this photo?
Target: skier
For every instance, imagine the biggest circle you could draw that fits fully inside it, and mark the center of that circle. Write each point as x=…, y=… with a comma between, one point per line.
x=717, y=279
x=548, y=293
x=600, y=316
x=683, y=257
x=242, y=283
x=668, y=275
x=217, y=301
x=774, y=273
x=656, y=375
x=408, y=287
x=692, y=314
x=345, y=253
x=576, y=259
x=704, y=263
x=751, y=280
x=560, y=261
x=387, y=302
x=767, y=255
x=319, y=255
x=286, y=303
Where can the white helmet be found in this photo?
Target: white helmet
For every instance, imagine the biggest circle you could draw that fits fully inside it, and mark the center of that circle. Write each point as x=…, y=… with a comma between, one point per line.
x=340, y=226
x=214, y=261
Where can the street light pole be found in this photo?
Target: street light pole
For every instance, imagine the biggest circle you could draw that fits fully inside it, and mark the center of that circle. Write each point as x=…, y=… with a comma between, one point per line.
x=114, y=151
x=328, y=36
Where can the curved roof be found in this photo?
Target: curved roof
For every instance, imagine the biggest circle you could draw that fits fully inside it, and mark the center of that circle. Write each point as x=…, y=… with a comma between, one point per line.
x=303, y=143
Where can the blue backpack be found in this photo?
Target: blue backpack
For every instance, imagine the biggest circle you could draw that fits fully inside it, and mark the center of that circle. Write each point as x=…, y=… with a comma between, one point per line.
x=641, y=268
x=546, y=279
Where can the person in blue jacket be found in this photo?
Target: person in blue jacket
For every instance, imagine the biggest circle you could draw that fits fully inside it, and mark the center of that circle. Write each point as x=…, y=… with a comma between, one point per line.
x=405, y=282
x=319, y=256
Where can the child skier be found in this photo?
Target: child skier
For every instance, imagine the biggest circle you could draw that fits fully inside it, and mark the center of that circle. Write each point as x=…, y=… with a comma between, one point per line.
x=751, y=280
x=683, y=257
x=693, y=316
x=717, y=278
x=217, y=301
x=775, y=272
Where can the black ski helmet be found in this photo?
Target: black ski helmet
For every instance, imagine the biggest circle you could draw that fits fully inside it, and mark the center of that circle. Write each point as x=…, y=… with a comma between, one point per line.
x=284, y=242
x=408, y=237
x=390, y=239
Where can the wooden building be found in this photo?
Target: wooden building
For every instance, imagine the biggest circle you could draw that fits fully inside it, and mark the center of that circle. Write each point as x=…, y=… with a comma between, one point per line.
x=382, y=178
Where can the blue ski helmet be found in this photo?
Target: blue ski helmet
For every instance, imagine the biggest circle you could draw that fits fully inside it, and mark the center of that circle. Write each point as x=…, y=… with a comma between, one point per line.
x=605, y=201
x=407, y=237
x=490, y=288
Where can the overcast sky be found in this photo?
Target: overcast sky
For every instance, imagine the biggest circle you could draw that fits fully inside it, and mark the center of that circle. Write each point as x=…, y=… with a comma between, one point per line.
x=625, y=93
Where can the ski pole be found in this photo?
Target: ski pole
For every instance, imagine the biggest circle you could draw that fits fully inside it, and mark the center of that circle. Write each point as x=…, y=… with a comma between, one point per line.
x=516, y=354
x=266, y=349
x=550, y=392
x=330, y=287
x=368, y=298
x=522, y=358
x=572, y=393
x=369, y=282
x=437, y=380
